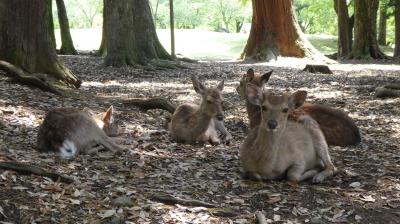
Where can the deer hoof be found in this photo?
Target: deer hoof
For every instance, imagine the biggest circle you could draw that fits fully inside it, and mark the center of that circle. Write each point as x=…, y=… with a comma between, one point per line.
x=318, y=178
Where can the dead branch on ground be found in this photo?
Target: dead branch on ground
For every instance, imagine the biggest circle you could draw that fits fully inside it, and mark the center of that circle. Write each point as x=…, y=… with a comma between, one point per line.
x=318, y=69
x=171, y=200
x=152, y=103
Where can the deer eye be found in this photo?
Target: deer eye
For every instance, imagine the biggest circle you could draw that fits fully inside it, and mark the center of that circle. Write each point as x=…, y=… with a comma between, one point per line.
x=209, y=101
x=285, y=110
x=264, y=108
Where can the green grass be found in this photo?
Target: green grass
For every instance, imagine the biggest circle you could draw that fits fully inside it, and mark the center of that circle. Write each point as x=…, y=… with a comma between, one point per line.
x=201, y=44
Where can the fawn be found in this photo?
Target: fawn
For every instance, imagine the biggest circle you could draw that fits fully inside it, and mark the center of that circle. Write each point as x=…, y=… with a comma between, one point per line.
x=193, y=123
x=278, y=146
x=338, y=128
x=68, y=131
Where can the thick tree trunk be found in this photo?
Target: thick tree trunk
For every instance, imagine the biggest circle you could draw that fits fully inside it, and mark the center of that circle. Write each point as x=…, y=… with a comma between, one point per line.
x=25, y=40
x=397, y=29
x=344, y=44
x=382, y=23
x=49, y=15
x=102, y=49
x=275, y=32
x=131, y=36
x=365, y=41
x=67, y=46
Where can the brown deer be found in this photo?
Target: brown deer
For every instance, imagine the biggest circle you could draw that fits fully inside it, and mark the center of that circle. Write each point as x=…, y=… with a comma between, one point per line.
x=68, y=131
x=193, y=123
x=280, y=148
x=338, y=128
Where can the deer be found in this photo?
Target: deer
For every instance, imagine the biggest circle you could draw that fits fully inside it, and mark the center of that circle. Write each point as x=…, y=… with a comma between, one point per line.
x=67, y=132
x=193, y=123
x=280, y=148
x=338, y=128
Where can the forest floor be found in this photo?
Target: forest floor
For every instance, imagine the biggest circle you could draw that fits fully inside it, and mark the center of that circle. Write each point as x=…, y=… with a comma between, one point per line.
x=113, y=189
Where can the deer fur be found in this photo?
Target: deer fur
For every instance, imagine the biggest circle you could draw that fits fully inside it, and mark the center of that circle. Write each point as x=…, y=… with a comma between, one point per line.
x=338, y=128
x=280, y=148
x=68, y=131
x=193, y=123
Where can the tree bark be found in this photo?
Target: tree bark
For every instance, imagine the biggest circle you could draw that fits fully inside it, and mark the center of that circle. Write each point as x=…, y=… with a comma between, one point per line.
x=365, y=41
x=102, y=49
x=382, y=23
x=131, y=36
x=344, y=43
x=397, y=29
x=275, y=32
x=25, y=40
x=67, y=46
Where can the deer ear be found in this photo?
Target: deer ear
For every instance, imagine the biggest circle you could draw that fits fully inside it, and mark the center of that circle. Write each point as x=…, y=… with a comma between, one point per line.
x=265, y=77
x=108, y=117
x=297, y=99
x=221, y=85
x=250, y=74
x=197, y=85
x=254, y=94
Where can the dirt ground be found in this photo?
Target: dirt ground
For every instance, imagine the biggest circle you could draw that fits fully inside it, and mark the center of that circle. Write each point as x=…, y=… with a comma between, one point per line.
x=122, y=189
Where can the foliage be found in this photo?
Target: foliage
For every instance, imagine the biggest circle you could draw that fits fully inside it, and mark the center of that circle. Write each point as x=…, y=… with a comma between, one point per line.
x=316, y=16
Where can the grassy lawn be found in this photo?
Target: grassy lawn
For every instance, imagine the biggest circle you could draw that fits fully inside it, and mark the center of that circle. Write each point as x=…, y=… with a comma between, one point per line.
x=201, y=44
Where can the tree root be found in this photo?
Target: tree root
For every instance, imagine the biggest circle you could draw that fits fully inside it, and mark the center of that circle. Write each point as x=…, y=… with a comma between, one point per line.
x=318, y=69
x=22, y=77
x=153, y=103
x=27, y=169
x=390, y=90
x=261, y=217
x=171, y=200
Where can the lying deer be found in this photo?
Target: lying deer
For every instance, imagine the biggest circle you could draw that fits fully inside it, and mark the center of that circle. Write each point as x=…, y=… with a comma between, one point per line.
x=338, y=128
x=67, y=132
x=278, y=147
x=192, y=123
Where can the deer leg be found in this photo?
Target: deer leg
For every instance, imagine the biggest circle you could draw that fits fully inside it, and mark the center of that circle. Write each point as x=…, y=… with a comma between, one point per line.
x=321, y=148
x=295, y=173
x=212, y=135
x=226, y=136
x=108, y=144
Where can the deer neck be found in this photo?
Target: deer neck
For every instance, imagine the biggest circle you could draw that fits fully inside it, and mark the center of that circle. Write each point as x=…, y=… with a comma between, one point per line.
x=267, y=143
x=202, y=121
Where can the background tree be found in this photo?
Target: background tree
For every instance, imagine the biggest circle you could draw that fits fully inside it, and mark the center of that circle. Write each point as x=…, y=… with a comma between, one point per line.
x=102, y=49
x=25, y=40
x=344, y=42
x=382, y=22
x=49, y=16
x=397, y=29
x=365, y=40
x=67, y=45
x=130, y=35
x=275, y=32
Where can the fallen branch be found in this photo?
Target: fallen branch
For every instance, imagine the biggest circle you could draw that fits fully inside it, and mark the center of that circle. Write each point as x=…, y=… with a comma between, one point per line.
x=153, y=103
x=22, y=77
x=27, y=169
x=387, y=91
x=171, y=200
x=261, y=217
x=318, y=69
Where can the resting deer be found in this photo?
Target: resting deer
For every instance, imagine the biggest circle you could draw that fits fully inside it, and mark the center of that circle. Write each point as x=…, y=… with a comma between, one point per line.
x=68, y=131
x=192, y=123
x=278, y=146
x=338, y=128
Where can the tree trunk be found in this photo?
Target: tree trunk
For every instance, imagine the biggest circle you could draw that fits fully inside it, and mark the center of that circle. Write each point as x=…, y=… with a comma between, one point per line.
x=102, y=49
x=49, y=12
x=25, y=40
x=275, y=32
x=131, y=36
x=67, y=46
x=343, y=28
x=397, y=29
x=382, y=23
x=365, y=41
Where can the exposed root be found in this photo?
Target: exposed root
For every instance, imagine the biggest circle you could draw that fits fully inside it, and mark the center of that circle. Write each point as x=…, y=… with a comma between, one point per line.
x=27, y=169
x=318, y=69
x=171, y=200
x=153, y=103
x=36, y=79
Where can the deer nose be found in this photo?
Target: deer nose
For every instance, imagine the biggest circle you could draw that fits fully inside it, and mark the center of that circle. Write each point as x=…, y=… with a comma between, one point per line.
x=272, y=124
x=220, y=117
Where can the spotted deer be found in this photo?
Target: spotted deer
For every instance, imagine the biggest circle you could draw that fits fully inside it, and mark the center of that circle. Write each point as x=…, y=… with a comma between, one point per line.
x=193, y=123
x=280, y=148
x=68, y=131
x=338, y=128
